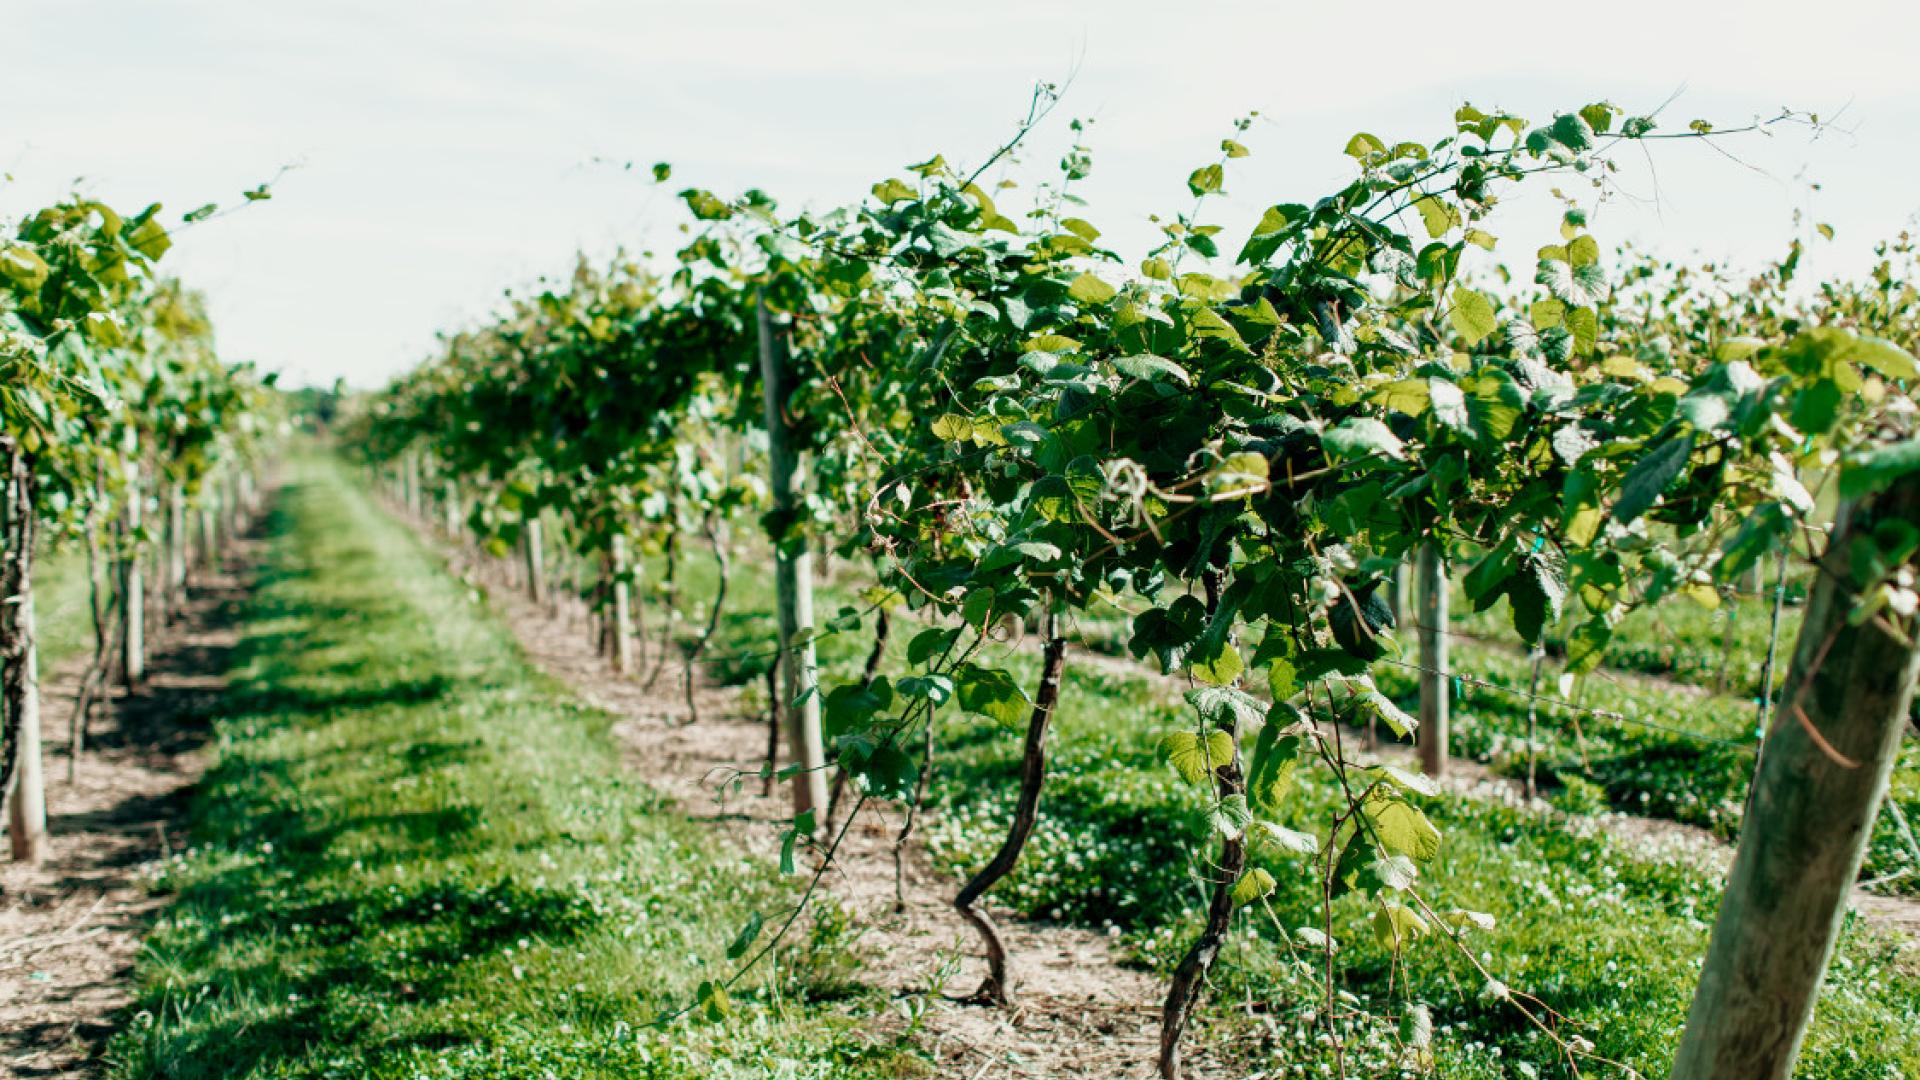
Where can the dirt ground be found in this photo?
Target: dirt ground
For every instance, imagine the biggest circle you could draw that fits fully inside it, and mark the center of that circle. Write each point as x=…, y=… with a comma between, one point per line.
x=71, y=927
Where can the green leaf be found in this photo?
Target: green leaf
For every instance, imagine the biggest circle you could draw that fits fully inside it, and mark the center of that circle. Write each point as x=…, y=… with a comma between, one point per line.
x=1438, y=215
x=1362, y=436
x=1226, y=706
x=1233, y=149
x=1816, y=406
x=1884, y=357
x=1587, y=645
x=1395, y=925
x=952, y=427
x=1572, y=131
x=1401, y=828
x=802, y=825
x=1416, y=783
x=1206, y=179
x=746, y=937
x=990, y=692
x=1363, y=146
x=892, y=191
x=1270, y=771
x=24, y=267
x=1409, y=397
x=1536, y=593
x=1281, y=838
x=1149, y=368
x=1450, y=405
x=1219, y=666
x=1230, y=816
x=1382, y=706
x=1872, y=472
x=712, y=1001
x=1207, y=323
x=1088, y=289
x=887, y=773
x=1496, y=404
x=1472, y=315
x=1193, y=757
x=1651, y=476
x=1252, y=885
x=930, y=643
x=706, y=205
x=1238, y=474
x=150, y=238
x=1584, y=324
x=1416, y=1028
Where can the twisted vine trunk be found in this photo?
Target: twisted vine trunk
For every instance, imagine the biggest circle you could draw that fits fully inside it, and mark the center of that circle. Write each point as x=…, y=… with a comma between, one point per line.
x=773, y=726
x=882, y=627
x=913, y=815
x=1828, y=758
x=21, y=778
x=100, y=662
x=997, y=987
x=1190, y=978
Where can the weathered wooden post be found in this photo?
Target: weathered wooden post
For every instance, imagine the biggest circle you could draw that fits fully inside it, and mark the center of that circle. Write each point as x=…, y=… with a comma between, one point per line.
x=1435, y=672
x=133, y=589
x=793, y=573
x=1830, y=751
x=622, y=615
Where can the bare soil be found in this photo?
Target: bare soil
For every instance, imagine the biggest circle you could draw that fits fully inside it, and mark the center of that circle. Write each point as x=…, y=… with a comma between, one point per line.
x=71, y=927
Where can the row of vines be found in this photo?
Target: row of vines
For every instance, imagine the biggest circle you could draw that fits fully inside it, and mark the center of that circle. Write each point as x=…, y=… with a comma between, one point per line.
x=122, y=433
x=1012, y=428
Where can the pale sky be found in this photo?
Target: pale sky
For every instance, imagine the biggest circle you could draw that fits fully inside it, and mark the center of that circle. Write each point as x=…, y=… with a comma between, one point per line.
x=447, y=150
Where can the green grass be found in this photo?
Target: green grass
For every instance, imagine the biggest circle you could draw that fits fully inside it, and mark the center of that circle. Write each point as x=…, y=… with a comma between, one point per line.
x=416, y=856
x=1723, y=647
x=1669, y=758
x=60, y=606
x=1609, y=935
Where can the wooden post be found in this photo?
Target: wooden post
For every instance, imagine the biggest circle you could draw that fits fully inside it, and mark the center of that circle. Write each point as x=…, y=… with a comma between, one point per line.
x=617, y=566
x=177, y=543
x=536, y=561
x=452, y=519
x=793, y=574
x=133, y=589
x=1538, y=657
x=210, y=524
x=1810, y=817
x=230, y=502
x=1434, y=670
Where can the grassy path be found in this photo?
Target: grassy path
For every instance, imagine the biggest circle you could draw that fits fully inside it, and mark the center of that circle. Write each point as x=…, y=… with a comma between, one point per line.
x=419, y=856
x=416, y=856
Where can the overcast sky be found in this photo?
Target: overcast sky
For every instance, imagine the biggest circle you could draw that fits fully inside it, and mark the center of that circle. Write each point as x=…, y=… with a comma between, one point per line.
x=446, y=151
